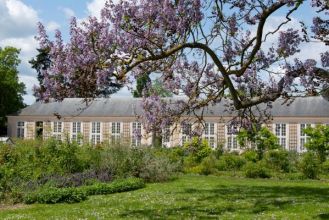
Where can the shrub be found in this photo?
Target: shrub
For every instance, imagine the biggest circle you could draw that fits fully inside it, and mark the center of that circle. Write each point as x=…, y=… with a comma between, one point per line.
x=197, y=149
x=325, y=167
x=277, y=160
x=33, y=164
x=121, y=161
x=196, y=169
x=310, y=165
x=256, y=170
x=156, y=168
x=318, y=141
x=120, y=185
x=51, y=195
x=250, y=155
x=262, y=139
x=229, y=162
x=208, y=165
x=75, y=179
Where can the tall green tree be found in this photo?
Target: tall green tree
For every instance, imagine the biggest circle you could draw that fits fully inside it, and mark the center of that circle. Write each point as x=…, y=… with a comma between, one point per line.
x=260, y=139
x=11, y=90
x=142, y=83
x=41, y=63
x=318, y=141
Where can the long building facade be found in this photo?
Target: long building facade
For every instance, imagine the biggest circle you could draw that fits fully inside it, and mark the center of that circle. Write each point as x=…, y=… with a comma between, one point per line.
x=115, y=120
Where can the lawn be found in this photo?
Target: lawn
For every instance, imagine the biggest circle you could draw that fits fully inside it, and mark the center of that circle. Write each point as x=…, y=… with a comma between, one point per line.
x=195, y=197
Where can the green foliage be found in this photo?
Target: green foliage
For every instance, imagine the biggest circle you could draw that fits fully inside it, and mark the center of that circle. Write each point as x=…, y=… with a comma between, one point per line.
x=157, y=88
x=11, y=90
x=156, y=168
x=310, y=165
x=51, y=195
x=250, y=155
x=262, y=139
x=41, y=63
x=277, y=160
x=256, y=170
x=214, y=197
x=197, y=149
x=141, y=84
x=32, y=164
x=230, y=162
x=208, y=165
x=318, y=141
x=120, y=185
x=325, y=167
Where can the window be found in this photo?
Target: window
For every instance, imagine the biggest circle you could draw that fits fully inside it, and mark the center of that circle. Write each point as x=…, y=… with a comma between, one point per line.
x=166, y=136
x=231, y=137
x=39, y=129
x=186, y=132
x=281, y=133
x=303, y=138
x=136, y=135
x=95, y=133
x=76, y=132
x=209, y=134
x=57, y=130
x=20, y=129
x=116, y=132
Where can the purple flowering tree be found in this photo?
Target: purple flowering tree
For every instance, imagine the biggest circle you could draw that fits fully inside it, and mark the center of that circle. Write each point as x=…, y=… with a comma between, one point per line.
x=207, y=50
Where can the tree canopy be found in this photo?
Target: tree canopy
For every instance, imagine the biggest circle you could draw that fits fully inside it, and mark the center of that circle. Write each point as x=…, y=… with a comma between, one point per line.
x=11, y=90
x=208, y=50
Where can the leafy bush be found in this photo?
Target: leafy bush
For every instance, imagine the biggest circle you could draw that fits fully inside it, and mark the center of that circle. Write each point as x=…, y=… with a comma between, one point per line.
x=156, y=168
x=34, y=164
x=277, y=160
x=325, y=167
x=51, y=195
x=262, y=139
x=229, y=162
x=310, y=165
x=197, y=149
x=208, y=165
x=120, y=185
x=75, y=179
x=256, y=170
x=318, y=141
x=250, y=155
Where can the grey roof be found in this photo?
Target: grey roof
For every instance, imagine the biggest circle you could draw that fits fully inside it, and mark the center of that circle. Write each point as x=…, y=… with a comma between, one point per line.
x=124, y=106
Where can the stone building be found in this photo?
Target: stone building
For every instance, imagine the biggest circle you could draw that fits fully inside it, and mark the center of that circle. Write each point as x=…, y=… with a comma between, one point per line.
x=115, y=119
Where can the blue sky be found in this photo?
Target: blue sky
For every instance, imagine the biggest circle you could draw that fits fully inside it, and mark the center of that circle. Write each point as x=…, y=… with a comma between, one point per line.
x=18, y=28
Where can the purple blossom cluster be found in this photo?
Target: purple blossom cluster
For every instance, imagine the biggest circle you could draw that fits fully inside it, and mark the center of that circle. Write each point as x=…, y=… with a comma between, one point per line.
x=204, y=51
x=289, y=42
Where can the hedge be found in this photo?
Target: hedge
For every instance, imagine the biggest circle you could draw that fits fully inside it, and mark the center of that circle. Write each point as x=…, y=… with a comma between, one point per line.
x=51, y=195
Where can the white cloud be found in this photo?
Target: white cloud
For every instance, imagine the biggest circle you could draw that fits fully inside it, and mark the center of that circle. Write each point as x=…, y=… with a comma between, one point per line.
x=29, y=82
x=18, y=27
x=94, y=7
x=28, y=47
x=69, y=13
x=27, y=75
x=52, y=26
x=307, y=50
x=17, y=19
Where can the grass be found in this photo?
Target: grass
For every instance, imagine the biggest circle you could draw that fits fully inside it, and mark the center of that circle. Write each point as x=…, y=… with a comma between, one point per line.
x=196, y=197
